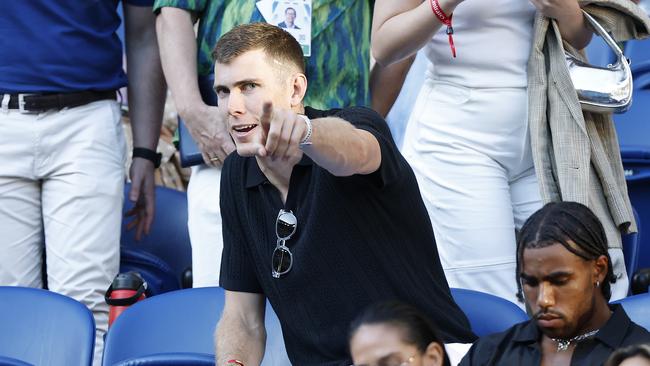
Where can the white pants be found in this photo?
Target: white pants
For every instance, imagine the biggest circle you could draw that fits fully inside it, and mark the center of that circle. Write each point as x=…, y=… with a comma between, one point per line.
x=61, y=190
x=204, y=225
x=471, y=154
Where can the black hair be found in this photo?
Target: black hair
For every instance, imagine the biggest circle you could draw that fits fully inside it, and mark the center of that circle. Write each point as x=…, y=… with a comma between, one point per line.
x=416, y=328
x=622, y=354
x=287, y=9
x=575, y=227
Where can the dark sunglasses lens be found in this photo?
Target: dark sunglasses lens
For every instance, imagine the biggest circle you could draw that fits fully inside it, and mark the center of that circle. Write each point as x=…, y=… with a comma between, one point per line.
x=286, y=225
x=281, y=260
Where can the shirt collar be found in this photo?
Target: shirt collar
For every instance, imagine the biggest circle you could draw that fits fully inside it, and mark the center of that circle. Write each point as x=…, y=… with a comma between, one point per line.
x=254, y=175
x=528, y=333
x=614, y=331
x=611, y=334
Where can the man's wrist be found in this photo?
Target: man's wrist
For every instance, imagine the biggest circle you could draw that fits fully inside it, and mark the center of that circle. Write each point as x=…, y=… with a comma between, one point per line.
x=148, y=154
x=306, y=139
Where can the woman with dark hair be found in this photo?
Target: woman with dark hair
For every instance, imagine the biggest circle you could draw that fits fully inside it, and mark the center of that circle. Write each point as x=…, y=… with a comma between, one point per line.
x=636, y=355
x=395, y=334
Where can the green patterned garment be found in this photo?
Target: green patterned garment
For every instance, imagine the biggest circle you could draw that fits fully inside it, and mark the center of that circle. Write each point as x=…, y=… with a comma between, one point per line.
x=338, y=69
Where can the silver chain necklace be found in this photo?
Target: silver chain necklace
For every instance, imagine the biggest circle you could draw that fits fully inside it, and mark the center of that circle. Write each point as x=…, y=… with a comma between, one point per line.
x=563, y=344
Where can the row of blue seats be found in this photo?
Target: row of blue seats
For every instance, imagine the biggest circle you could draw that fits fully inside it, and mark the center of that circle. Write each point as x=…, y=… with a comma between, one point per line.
x=41, y=327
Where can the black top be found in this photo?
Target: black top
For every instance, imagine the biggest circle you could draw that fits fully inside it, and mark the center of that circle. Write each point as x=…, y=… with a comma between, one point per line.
x=359, y=240
x=519, y=345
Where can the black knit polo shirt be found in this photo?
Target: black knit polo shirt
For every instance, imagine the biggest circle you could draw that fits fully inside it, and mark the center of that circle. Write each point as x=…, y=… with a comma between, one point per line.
x=360, y=239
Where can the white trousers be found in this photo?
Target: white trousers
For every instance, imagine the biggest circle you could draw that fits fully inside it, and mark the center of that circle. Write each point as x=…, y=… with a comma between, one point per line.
x=471, y=154
x=470, y=150
x=204, y=225
x=61, y=190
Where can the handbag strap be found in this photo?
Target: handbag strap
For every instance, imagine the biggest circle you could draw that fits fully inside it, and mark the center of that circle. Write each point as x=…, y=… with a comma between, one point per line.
x=604, y=34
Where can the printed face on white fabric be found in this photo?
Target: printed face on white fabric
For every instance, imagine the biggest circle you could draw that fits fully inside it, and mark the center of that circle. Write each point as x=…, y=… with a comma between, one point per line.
x=289, y=16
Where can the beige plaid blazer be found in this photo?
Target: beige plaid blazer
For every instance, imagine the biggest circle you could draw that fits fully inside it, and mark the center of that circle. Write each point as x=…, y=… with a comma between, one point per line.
x=575, y=153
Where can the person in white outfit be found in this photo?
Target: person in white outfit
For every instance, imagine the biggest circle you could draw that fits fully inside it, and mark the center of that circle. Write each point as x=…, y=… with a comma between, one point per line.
x=467, y=137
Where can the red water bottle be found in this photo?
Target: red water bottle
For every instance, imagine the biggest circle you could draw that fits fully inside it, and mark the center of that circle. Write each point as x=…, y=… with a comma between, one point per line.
x=126, y=289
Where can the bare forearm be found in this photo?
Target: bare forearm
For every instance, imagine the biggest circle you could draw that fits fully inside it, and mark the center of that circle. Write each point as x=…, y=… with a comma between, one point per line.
x=401, y=28
x=234, y=342
x=386, y=83
x=574, y=28
x=178, y=52
x=146, y=88
x=342, y=149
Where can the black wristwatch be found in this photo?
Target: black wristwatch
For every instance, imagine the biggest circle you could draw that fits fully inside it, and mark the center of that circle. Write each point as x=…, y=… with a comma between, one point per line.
x=152, y=156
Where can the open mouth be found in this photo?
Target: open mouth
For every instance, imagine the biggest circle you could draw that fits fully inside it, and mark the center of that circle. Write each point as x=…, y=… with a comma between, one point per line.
x=243, y=128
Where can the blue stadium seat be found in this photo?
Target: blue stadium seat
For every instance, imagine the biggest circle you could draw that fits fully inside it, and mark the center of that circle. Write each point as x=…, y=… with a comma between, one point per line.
x=638, y=51
x=168, y=242
x=631, y=247
x=637, y=308
x=177, y=328
x=633, y=129
x=40, y=327
x=487, y=313
x=599, y=53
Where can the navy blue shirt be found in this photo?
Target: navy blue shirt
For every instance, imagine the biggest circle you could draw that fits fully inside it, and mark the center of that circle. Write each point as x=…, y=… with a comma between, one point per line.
x=61, y=45
x=359, y=240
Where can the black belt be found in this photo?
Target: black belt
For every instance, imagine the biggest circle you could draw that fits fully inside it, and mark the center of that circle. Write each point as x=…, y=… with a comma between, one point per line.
x=45, y=102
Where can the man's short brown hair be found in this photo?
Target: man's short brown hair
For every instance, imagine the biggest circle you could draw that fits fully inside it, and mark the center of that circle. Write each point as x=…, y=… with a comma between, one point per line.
x=276, y=43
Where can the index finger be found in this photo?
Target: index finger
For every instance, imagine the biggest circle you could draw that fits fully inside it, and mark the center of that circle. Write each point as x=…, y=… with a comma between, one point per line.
x=267, y=113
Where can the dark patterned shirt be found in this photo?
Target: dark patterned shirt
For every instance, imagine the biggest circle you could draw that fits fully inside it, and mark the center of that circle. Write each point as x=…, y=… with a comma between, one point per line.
x=338, y=69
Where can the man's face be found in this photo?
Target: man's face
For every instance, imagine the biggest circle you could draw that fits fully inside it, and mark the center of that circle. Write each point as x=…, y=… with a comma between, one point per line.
x=559, y=288
x=289, y=16
x=242, y=87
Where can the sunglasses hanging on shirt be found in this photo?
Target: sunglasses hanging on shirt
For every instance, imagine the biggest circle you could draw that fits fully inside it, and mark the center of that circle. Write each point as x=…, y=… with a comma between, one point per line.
x=282, y=260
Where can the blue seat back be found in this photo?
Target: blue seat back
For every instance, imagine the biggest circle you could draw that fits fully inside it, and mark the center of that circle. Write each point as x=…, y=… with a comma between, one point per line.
x=631, y=247
x=177, y=328
x=159, y=276
x=599, y=53
x=638, y=51
x=40, y=327
x=633, y=129
x=487, y=313
x=276, y=353
x=637, y=308
x=168, y=239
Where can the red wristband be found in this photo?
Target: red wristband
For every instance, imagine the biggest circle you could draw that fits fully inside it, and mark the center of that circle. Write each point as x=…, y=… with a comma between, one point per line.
x=236, y=362
x=446, y=20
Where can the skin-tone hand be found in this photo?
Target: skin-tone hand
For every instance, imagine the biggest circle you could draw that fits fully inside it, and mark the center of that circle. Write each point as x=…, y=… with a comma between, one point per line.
x=557, y=9
x=569, y=18
x=207, y=125
x=142, y=194
x=283, y=131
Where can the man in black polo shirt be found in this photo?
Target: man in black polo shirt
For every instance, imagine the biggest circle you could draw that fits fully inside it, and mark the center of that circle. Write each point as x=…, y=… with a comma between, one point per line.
x=321, y=214
x=565, y=272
